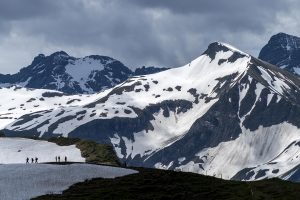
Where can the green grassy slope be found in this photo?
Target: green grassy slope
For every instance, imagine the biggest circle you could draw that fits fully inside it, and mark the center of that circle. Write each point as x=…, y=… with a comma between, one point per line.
x=91, y=151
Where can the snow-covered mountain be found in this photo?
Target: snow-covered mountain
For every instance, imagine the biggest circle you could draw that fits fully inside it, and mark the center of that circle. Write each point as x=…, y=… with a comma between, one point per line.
x=17, y=101
x=71, y=75
x=283, y=50
x=222, y=114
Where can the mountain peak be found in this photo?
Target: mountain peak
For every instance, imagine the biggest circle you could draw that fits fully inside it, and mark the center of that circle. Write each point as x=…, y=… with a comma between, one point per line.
x=71, y=75
x=282, y=35
x=38, y=59
x=285, y=40
x=216, y=47
x=283, y=51
x=232, y=48
x=60, y=54
x=41, y=55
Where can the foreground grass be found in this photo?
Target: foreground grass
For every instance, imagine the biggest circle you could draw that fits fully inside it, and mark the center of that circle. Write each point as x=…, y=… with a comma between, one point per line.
x=160, y=184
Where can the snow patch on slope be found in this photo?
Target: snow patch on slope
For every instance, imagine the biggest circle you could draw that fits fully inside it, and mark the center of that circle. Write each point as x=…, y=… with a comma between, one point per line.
x=16, y=150
x=250, y=149
x=166, y=130
x=16, y=101
x=81, y=70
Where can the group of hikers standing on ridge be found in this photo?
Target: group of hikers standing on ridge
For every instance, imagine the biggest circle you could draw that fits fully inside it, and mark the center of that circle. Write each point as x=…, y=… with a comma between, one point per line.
x=35, y=160
x=57, y=159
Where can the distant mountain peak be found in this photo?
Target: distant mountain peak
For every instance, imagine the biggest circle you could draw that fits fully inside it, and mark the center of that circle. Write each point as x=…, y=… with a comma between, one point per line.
x=287, y=42
x=283, y=50
x=41, y=55
x=98, y=57
x=59, y=53
x=282, y=35
x=62, y=72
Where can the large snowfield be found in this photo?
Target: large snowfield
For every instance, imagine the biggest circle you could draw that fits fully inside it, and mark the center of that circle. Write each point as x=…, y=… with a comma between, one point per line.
x=22, y=182
x=16, y=150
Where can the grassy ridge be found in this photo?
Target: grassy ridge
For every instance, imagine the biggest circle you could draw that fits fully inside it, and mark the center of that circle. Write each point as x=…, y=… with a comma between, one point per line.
x=91, y=151
x=160, y=184
x=98, y=153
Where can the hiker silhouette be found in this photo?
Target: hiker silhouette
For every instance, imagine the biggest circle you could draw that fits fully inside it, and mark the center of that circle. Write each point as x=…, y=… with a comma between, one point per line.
x=27, y=160
x=32, y=160
x=55, y=158
x=36, y=160
x=65, y=158
x=58, y=158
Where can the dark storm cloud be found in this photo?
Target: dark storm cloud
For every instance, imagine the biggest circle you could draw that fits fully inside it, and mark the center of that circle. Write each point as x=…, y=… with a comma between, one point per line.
x=20, y=9
x=220, y=6
x=241, y=14
x=138, y=32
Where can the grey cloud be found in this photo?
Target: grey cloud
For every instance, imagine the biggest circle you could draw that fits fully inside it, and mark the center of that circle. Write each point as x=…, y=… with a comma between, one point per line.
x=138, y=32
x=220, y=6
x=19, y=9
x=239, y=15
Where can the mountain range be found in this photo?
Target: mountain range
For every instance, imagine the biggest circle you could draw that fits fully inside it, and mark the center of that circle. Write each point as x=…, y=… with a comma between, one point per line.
x=71, y=75
x=225, y=114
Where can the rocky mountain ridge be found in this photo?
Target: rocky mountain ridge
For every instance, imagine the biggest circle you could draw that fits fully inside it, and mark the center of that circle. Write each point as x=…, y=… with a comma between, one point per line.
x=62, y=72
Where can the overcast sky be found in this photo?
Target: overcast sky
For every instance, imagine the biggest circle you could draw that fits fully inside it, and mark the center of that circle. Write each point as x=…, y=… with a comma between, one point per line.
x=165, y=33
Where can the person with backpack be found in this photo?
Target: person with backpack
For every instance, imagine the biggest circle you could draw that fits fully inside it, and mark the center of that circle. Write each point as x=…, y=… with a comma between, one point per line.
x=27, y=160
x=65, y=158
x=36, y=160
x=58, y=158
x=32, y=160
